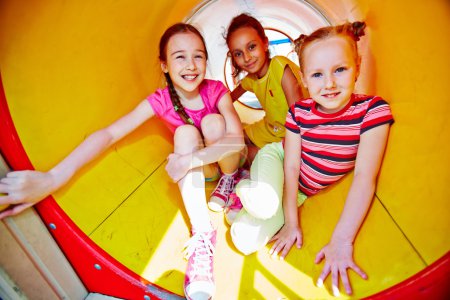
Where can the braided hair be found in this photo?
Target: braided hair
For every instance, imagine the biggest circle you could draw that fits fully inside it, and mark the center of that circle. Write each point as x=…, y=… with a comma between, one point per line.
x=352, y=31
x=177, y=106
x=174, y=97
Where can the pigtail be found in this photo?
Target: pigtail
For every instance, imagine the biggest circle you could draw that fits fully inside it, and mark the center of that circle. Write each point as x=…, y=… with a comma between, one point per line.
x=352, y=31
x=298, y=42
x=357, y=29
x=178, y=107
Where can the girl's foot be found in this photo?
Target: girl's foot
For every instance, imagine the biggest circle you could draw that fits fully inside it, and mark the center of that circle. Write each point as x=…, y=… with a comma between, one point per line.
x=199, y=279
x=219, y=197
x=234, y=206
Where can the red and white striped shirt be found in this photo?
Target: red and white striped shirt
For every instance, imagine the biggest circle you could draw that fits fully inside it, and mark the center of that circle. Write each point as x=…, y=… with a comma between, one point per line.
x=329, y=142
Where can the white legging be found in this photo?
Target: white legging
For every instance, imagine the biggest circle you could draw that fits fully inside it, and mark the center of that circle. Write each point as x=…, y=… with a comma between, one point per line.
x=261, y=197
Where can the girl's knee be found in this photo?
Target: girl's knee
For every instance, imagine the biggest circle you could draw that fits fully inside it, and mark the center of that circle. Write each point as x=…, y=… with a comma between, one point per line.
x=213, y=127
x=186, y=130
x=186, y=138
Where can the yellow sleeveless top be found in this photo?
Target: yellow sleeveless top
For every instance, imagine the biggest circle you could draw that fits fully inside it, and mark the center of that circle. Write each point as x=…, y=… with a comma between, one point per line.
x=270, y=94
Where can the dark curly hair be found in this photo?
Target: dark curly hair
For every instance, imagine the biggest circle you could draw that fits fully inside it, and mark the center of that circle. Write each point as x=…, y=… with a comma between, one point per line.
x=241, y=21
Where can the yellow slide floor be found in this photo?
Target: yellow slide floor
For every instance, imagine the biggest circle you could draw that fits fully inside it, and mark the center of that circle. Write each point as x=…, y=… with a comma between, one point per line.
x=69, y=68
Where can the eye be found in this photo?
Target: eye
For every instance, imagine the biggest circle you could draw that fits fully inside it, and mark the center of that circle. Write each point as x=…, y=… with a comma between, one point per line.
x=199, y=56
x=179, y=57
x=237, y=54
x=251, y=47
x=316, y=75
x=341, y=69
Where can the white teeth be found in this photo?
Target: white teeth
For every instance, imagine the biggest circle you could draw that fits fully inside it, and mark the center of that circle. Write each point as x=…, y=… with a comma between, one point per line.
x=189, y=77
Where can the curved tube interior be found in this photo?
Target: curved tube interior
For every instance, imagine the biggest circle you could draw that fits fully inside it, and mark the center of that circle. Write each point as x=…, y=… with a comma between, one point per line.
x=69, y=68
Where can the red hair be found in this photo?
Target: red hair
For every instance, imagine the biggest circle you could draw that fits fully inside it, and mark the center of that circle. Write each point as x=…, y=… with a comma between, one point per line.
x=351, y=31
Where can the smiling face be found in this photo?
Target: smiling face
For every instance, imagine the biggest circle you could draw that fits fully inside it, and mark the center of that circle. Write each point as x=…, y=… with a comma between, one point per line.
x=185, y=62
x=249, y=51
x=330, y=71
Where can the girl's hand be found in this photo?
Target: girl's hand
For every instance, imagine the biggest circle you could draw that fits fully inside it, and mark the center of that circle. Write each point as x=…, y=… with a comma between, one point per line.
x=285, y=239
x=23, y=189
x=176, y=166
x=338, y=258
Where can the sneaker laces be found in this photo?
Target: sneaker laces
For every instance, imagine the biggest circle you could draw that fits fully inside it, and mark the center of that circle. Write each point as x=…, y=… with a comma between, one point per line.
x=225, y=185
x=201, y=247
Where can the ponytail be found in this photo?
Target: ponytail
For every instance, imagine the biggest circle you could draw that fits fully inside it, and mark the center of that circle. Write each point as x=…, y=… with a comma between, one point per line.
x=298, y=42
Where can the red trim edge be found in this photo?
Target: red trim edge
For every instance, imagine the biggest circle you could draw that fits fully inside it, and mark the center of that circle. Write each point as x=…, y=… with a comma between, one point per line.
x=433, y=282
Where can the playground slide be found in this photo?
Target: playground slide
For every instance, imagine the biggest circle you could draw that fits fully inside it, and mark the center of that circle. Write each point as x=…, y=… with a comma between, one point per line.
x=71, y=67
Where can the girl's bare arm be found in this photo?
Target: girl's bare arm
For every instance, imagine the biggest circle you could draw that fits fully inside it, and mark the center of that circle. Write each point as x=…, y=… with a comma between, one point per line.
x=338, y=253
x=28, y=187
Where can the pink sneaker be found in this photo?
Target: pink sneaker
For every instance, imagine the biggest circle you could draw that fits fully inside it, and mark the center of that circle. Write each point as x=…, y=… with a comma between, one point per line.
x=234, y=206
x=199, y=279
x=219, y=197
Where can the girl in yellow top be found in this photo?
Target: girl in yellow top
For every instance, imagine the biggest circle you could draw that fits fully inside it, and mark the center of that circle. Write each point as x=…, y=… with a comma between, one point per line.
x=275, y=82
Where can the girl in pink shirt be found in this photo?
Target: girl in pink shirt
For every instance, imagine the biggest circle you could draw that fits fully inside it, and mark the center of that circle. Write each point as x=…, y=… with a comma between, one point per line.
x=207, y=132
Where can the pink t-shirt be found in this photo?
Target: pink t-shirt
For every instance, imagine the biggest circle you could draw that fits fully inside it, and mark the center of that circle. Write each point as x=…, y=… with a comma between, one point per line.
x=211, y=92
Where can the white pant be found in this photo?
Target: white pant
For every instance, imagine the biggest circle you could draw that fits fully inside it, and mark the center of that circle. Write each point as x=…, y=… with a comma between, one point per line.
x=261, y=196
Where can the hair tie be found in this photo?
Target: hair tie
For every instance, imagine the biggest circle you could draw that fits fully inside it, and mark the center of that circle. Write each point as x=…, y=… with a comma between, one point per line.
x=299, y=41
x=358, y=29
